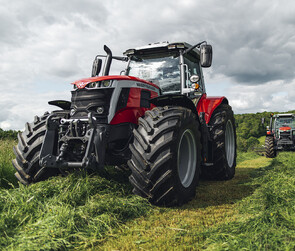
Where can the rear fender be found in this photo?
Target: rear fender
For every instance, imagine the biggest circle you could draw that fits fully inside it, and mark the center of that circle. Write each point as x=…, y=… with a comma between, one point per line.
x=209, y=104
x=175, y=99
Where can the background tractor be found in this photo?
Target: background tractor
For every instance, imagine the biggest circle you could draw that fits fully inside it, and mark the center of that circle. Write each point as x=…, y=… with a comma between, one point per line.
x=280, y=134
x=155, y=116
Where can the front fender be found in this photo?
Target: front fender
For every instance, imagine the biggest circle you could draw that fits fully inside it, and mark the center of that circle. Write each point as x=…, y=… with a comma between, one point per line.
x=63, y=104
x=209, y=104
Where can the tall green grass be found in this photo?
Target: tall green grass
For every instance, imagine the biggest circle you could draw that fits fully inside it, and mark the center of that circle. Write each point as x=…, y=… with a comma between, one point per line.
x=243, y=156
x=66, y=213
x=267, y=218
x=7, y=179
x=74, y=212
x=254, y=211
x=187, y=227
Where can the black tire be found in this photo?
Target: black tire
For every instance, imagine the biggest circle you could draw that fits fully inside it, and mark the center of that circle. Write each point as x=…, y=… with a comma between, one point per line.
x=270, y=151
x=224, y=144
x=27, y=152
x=158, y=173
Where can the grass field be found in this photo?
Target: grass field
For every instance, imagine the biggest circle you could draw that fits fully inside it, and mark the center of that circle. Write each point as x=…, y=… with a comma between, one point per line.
x=253, y=211
x=7, y=178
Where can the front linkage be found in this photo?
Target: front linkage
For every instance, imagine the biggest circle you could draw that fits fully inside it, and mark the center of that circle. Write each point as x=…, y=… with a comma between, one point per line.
x=65, y=138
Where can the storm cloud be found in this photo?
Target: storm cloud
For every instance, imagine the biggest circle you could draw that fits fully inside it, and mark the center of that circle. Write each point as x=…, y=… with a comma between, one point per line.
x=45, y=45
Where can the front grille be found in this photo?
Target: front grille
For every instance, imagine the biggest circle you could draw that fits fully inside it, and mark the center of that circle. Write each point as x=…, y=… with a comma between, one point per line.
x=285, y=135
x=88, y=100
x=285, y=138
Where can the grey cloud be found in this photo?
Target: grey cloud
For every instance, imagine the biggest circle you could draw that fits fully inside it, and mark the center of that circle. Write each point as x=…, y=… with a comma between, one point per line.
x=54, y=42
x=17, y=18
x=251, y=42
x=273, y=96
x=23, y=106
x=11, y=31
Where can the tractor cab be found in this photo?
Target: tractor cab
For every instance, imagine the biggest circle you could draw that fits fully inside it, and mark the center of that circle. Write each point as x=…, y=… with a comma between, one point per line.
x=174, y=67
x=284, y=121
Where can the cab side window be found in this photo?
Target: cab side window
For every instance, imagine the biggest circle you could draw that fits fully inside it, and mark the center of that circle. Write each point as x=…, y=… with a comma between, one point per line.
x=193, y=68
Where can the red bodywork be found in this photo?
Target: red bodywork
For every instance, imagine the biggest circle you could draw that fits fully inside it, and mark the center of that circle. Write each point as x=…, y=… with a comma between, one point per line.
x=208, y=105
x=133, y=110
x=83, y=82
x=285, y=128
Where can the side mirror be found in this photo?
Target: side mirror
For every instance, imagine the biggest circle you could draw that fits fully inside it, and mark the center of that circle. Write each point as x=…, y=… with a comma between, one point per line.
x=96, y=67
x=206, y=55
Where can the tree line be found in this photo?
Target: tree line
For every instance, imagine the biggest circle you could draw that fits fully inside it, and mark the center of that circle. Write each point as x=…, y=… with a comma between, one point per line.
x=248, y=127
x=9, y=134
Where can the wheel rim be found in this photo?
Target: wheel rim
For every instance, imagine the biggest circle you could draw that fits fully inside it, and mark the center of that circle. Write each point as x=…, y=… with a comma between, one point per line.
x=229, y=143
x=187, y=158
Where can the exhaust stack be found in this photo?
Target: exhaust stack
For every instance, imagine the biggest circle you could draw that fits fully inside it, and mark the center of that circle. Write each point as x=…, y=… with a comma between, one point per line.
x=108, y=61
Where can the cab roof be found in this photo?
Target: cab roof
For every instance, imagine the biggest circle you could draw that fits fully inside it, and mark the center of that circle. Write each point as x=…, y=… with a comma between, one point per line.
x=284, y=115
x=161, y=47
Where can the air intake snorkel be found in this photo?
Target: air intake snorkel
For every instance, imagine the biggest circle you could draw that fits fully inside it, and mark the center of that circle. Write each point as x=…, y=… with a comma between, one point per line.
x=108, y=61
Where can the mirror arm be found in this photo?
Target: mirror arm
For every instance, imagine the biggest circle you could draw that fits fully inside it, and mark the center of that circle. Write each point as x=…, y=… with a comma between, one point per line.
x=193, y=47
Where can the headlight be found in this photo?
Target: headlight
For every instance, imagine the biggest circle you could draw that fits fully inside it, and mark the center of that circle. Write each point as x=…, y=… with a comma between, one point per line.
x=194, y=78
x=100, y=110
x=106, y=83
x=93, y=85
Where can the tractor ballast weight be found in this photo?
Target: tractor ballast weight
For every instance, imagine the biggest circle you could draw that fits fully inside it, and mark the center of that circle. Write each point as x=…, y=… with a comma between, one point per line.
x=280, y=135
x=155, y=117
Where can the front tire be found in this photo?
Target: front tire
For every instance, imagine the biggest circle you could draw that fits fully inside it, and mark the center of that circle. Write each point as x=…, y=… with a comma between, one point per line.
x=223, y=136
x=270, y=151
x=166, y=155
x=28, y=149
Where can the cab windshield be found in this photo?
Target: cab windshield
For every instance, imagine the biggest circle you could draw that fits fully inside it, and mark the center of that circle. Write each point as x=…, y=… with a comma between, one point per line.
x=280, y=122
x=163, y=71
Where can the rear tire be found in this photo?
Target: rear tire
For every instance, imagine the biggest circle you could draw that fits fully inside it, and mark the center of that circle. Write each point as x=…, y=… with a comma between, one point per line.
x=270, y=151
x=28, y=149
x=223, y=135
x=166, y=155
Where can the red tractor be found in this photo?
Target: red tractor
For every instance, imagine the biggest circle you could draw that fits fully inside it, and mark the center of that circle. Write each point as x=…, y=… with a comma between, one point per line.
x=280, y=135
x=155, y=116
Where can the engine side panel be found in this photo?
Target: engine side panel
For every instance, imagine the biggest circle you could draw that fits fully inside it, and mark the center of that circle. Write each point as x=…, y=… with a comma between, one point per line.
x=137, y=102
x=209, y=104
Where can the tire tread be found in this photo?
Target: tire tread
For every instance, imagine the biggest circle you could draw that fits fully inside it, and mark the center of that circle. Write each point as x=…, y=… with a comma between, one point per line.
x=152, y=155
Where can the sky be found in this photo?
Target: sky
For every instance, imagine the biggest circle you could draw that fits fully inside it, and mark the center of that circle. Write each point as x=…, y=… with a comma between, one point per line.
x=46, y=45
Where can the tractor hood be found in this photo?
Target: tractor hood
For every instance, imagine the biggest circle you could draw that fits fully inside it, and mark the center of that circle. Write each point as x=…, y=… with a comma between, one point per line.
x=80, y=84
x=285, y=128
